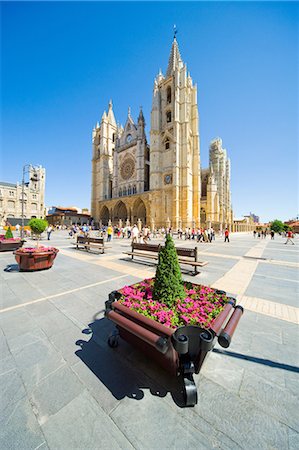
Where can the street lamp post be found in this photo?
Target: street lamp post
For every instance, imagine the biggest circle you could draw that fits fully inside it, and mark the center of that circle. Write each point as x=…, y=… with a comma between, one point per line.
x=26, y=169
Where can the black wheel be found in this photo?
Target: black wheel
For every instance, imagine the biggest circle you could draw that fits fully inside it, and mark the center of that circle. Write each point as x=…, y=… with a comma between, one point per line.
x=190, y=391
x=113, y=341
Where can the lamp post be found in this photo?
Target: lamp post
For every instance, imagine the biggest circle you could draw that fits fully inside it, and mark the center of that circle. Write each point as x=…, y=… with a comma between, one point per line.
x=26, y=169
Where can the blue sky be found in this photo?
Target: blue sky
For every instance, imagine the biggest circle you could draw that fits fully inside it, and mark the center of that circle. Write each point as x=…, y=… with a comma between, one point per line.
x=62, y=62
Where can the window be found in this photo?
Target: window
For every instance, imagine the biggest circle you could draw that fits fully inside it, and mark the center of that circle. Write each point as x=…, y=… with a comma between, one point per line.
x=34, y=206
x=134, y=189
x=11, y=204
x=168, y=116
x=124, y=191
x=167, y=145
x=113, y=137
x=11, y=193
x=34, y=196
x=120, y=193
x=129, y=190
x=168, y=95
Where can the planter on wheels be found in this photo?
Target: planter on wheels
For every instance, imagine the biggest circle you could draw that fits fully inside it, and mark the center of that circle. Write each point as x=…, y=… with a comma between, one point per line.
x=35, y=260
x=181, y=351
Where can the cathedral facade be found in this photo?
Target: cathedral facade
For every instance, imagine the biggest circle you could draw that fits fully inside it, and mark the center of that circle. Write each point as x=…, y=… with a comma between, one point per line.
x=160, y=184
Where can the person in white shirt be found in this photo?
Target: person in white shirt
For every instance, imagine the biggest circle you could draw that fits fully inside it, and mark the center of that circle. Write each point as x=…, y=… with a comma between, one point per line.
x=134, y=233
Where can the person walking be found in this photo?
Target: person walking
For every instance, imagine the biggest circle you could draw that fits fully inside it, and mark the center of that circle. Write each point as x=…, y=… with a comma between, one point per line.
x=134, y=234
x=272, y=234
x=290, y=236
x=146, y=232
x=226, y=235
x=49, y=231
x=109, y=233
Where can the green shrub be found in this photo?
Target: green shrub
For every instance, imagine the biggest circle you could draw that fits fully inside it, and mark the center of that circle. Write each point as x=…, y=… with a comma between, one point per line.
x=168, y=285
x=38, y=226
x=8, y=234
x=277, y=226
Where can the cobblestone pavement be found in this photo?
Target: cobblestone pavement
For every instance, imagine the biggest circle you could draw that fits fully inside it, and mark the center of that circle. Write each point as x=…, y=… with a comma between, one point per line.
x=62, y=387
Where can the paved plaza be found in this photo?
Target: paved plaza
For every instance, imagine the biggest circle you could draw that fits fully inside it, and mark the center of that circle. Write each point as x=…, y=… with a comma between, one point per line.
x=62, y=387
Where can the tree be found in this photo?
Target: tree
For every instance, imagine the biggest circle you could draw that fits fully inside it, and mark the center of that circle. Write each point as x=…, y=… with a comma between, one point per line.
x=277, y=226
x=8, y=234
x=168, y=286
x=38, y=226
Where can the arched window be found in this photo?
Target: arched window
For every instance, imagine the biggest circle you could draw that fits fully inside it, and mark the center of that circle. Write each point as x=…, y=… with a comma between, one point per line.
x=120, y=193
x=124, y=191
x=134, y=189
x=129, y=190
x=167, y=144
x=168, y=94
x=168, y=116
x=113, y=137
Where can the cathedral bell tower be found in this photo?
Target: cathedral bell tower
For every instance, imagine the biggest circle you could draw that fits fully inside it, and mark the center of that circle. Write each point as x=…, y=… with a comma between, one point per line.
x=103, y=144
x=174, y=145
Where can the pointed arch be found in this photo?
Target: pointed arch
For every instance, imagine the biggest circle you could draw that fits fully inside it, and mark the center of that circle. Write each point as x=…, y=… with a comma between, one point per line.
x=120, y=212
x=139, y=211
x=104, y=215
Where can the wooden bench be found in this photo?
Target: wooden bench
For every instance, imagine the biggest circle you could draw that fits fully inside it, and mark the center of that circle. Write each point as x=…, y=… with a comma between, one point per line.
x=90, y=243
x=188, y=256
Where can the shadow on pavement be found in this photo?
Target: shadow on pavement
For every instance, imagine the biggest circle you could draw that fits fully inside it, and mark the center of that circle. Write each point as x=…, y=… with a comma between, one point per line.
x=123, y=371
x=266, y=362
x=12, y=268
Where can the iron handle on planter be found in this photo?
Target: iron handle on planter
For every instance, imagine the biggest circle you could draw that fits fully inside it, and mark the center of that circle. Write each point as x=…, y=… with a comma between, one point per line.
x=159, y=342
x=227, y=333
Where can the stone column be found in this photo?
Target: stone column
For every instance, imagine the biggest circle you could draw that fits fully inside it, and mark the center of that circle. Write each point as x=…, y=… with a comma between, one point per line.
x=152, y=225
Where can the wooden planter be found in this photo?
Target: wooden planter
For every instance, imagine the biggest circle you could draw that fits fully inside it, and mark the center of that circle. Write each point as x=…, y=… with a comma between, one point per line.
x=7, y=245
x=31, y=261
x=181, y=352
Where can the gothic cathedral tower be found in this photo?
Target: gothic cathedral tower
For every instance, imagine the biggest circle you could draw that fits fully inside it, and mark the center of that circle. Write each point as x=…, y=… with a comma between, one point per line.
x=103, y=144
x=174, y=146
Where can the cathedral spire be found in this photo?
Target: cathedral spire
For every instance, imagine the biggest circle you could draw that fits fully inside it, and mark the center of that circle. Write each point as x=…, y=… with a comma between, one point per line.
x=175, y=60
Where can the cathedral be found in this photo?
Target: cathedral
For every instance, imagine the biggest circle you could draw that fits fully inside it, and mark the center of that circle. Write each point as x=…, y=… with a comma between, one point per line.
x=160, y=184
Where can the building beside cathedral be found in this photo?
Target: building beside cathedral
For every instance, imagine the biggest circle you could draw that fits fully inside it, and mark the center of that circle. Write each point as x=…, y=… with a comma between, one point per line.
x=30, y=198
x=161, y=184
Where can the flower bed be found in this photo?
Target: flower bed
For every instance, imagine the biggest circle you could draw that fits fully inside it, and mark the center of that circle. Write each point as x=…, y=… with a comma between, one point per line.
x=200, y=307
x=37, y=249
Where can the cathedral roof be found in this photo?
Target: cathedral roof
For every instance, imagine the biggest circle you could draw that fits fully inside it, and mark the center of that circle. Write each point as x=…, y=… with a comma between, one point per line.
x=175, y=60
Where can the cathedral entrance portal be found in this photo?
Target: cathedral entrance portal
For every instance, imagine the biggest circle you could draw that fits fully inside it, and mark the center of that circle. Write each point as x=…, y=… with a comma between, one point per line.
x=120, y=213
x=139, y=212
x=104, y=216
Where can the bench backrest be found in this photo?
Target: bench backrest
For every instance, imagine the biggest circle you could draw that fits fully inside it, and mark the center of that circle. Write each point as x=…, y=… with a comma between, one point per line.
x=187, y=252
x=87, y=240
x=146, y=247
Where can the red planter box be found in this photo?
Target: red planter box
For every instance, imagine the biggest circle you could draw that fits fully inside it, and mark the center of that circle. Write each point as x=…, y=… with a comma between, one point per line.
x=31, y=261
x=7, y=245
x=180, y=351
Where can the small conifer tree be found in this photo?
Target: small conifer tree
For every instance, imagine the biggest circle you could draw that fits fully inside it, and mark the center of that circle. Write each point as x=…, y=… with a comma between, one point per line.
x=8, y=234
x=168, y=286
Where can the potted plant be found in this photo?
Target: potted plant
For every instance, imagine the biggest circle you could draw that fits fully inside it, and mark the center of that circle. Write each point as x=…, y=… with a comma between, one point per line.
x=8, y=242
x=36, y=258
x=176, y=323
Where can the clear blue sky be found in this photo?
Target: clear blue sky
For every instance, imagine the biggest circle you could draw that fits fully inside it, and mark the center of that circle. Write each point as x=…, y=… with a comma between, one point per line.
x=62, y=62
